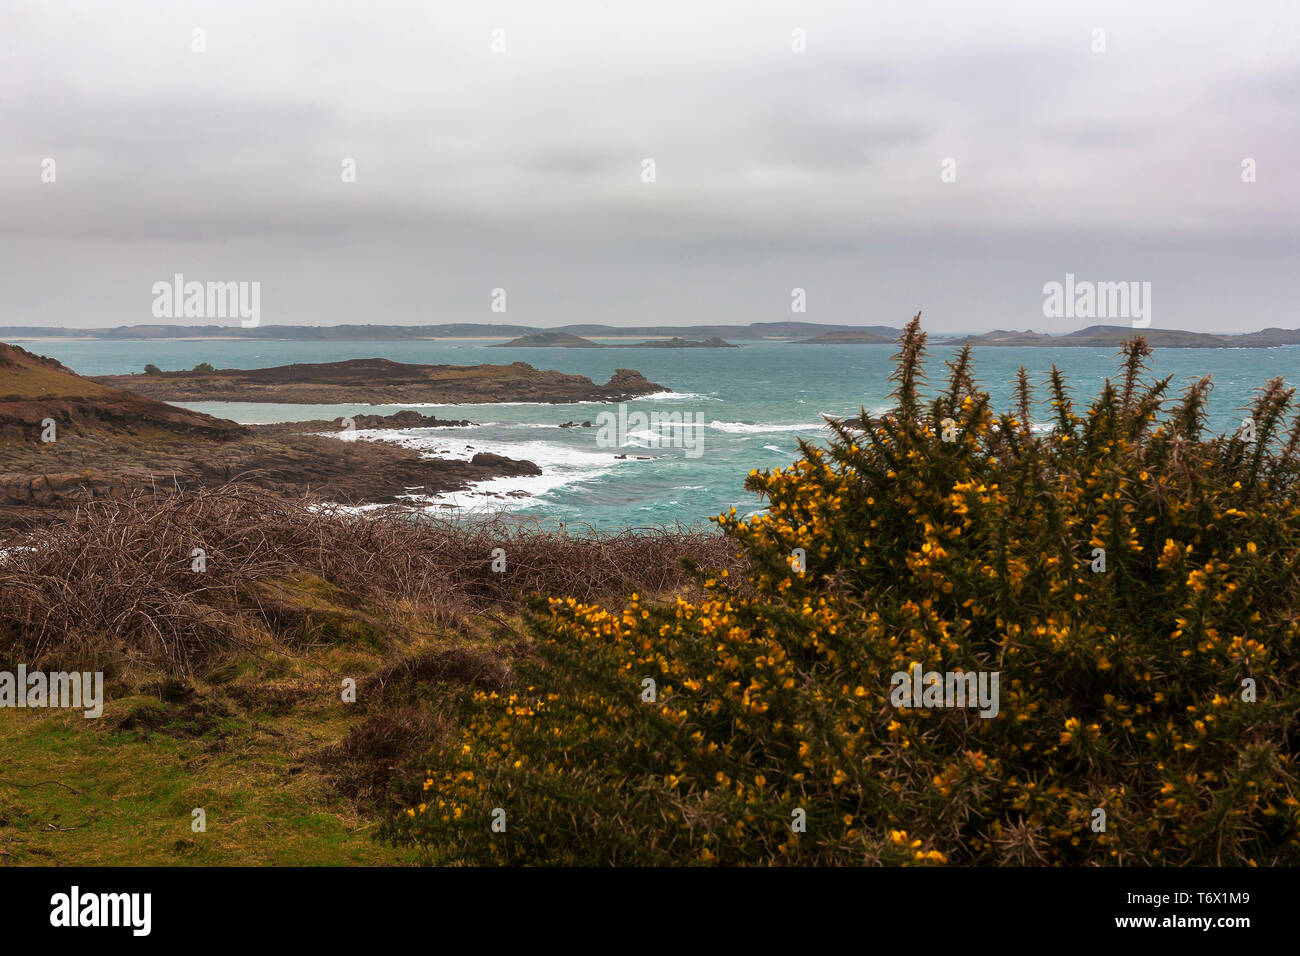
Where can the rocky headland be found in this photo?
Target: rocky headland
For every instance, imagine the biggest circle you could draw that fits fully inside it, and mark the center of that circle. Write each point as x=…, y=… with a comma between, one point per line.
x=65, y=439
x=378, y=381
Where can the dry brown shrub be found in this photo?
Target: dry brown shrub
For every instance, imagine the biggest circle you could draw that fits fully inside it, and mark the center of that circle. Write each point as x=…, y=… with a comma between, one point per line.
x=112, y=579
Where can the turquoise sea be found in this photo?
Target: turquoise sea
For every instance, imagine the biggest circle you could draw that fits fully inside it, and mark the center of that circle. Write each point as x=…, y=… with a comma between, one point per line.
x=755, y=402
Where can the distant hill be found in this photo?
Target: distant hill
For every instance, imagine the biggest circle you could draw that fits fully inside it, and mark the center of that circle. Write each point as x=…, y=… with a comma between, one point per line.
x=1268, y=338
x=1112, y=336
x=849, y=337
x=378, y=333
x=755, y=331
x=548, y=340
x=1115, y=335
x=687, y=336
x=35, y=389
x=1005, y=337
x=566, y=340
x=677, y=342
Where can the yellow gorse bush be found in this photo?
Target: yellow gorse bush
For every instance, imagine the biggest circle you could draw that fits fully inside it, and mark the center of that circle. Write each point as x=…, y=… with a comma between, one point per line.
x=1161, y=691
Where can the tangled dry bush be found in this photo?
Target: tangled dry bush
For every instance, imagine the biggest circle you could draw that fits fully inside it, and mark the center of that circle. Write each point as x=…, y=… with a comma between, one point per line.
x=116, y=578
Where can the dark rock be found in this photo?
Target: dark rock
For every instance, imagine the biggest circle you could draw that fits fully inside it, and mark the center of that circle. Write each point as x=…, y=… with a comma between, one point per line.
x=503, y=465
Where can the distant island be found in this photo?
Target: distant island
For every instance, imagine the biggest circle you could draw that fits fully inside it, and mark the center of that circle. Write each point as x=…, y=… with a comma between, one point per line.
x=754, y=332
x=849, y=337
x=380, y=381
x=1108, y=336
x=665, y=336
x=567, y=340
x=548, y=340
x=1095, y=336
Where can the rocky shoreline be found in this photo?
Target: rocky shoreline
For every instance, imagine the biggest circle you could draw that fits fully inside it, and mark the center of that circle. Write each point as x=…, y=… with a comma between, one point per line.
x=107, y=443
x=403, y=419
x=352, y=473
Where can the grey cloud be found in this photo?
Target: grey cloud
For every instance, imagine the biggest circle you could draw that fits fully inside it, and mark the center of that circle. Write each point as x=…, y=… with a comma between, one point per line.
x=774, y=168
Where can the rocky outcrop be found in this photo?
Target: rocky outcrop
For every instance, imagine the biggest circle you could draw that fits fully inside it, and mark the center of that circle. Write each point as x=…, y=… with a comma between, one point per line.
x=398, y=420
x=503, y=465
x=380, y=381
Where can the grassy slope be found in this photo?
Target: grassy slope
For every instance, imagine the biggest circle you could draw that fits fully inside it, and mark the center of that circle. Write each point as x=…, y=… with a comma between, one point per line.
x=252, y=741
x=25, y=375
x=137, y=791
x=249, y=743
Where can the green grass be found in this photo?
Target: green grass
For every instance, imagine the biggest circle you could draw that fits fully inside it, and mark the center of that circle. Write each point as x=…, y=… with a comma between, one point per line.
x=253, y=740
x=120, y=790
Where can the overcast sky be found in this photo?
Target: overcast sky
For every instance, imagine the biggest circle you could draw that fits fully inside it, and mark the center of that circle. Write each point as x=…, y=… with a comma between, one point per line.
x=522, y=169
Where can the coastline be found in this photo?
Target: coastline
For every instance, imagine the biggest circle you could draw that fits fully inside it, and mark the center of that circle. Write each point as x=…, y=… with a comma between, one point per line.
x=380, y=381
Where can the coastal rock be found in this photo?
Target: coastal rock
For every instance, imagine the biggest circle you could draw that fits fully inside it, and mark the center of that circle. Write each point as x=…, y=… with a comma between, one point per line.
x=503, y=465
x=399, y=420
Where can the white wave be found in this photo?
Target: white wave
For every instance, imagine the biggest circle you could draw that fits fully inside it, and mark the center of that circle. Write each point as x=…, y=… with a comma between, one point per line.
x=642, y=438
x=486, y=404
x=507, y=493
x=542, y=453
x=743, y=428
x=529, y=425
x=561, y=466
x=676, y=397
x=775, y=448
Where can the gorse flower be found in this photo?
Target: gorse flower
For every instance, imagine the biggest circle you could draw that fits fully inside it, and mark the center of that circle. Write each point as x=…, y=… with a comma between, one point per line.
x=1162, y=690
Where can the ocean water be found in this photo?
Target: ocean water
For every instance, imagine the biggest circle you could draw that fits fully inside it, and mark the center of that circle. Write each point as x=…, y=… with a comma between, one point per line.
x=754, y=404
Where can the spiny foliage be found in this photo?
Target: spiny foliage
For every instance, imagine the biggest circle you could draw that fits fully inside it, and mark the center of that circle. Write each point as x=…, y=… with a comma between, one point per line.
x=1127, y=690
